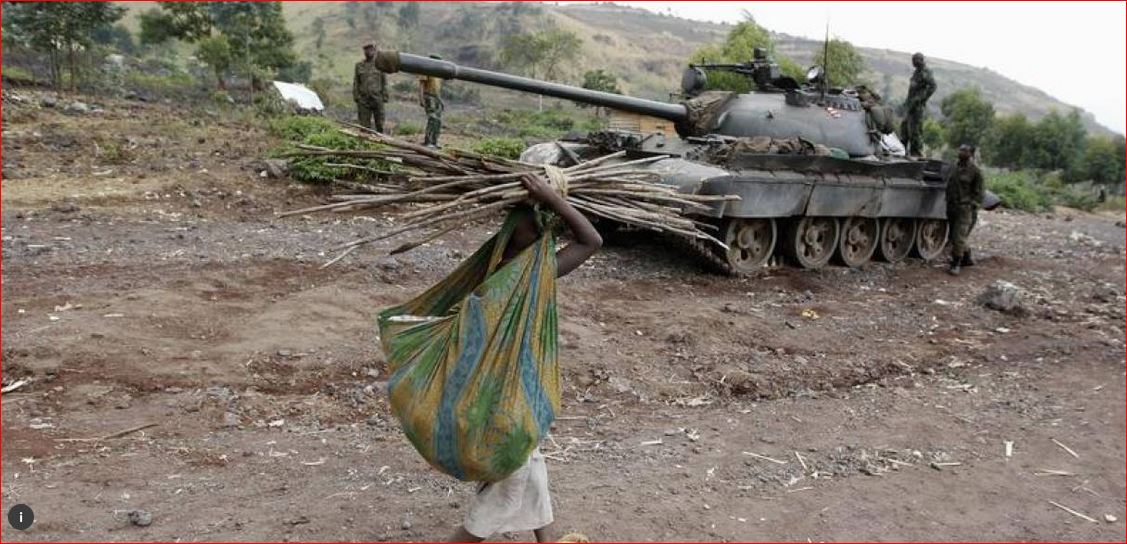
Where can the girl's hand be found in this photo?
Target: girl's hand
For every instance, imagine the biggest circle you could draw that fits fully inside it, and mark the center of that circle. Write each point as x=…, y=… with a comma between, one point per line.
x=538, y=189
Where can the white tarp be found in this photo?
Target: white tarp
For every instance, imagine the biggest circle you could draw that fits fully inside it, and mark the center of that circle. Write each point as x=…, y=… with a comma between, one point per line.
x=299, y=95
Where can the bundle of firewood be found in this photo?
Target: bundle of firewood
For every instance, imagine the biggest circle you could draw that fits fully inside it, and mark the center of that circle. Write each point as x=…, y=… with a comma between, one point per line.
x=452, y=187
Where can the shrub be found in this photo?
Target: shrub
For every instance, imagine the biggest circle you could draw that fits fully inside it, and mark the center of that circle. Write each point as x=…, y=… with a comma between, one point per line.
x=407, y=129
x=509, y=148
x=321, y=132
x=1019, y=191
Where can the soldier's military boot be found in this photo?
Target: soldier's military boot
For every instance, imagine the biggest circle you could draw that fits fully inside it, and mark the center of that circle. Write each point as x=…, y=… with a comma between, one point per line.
x=967, y=259
x=956, y=266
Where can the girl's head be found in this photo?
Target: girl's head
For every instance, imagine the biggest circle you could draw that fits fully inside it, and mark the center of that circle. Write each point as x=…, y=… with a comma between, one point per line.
x=526, y=231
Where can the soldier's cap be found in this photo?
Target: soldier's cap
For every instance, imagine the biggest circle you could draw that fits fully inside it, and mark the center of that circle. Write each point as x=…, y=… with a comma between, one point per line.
x=918, y=56
x=966, y=147
x=369, y=46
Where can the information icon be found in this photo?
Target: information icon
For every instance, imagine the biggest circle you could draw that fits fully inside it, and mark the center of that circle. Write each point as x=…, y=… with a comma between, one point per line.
x=21, y=517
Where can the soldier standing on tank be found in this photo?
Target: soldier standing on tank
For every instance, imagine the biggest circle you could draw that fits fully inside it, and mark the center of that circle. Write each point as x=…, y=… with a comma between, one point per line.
x=965, y=192
x=429, y=99
x=369, y=90
x=920, y=90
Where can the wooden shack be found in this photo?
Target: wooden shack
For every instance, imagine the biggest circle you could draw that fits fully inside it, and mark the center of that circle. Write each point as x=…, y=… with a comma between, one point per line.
x=636, y=122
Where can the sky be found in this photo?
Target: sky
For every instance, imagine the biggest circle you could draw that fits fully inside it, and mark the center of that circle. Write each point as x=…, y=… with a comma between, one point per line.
x=1075, y=51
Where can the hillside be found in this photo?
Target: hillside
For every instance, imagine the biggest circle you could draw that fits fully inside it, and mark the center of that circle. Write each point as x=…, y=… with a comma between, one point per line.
x=647, y=51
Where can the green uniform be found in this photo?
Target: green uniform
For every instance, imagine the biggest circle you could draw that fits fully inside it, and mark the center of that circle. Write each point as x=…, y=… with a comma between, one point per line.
x=965, y=191
x=369, y=90
x=430, y=89
x=920, y=90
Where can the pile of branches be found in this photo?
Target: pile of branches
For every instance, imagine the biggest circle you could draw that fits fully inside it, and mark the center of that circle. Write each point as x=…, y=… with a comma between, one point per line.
x=454, y=187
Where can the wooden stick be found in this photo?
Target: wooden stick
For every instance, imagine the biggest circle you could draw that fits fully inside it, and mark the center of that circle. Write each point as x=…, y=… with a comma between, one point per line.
x=765, y=458
x=1065, y=448
x=110, y=436
x=1073, y=512
x=14, y=385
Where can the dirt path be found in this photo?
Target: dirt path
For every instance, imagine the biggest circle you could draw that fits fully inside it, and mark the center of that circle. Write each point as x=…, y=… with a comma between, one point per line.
x=885, y=394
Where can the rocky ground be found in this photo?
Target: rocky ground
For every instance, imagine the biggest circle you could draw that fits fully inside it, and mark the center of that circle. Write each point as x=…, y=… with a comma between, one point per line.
x=146, y=281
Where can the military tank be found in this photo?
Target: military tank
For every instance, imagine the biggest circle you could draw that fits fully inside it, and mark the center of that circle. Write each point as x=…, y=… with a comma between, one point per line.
x=819, y=173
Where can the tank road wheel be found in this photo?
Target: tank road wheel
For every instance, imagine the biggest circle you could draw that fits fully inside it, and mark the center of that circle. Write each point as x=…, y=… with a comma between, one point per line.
x=931, y=238
x=750, y=243
x=859, y=237
x=812, y=241
x=896, y=237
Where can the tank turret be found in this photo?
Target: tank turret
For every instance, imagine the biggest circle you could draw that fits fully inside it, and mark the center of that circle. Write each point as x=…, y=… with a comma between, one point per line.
x=835, y=120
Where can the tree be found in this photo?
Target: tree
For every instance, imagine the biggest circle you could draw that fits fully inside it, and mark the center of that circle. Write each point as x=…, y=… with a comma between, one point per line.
x=409, y=15
x=541, y=55
x=215, y=51
x=740, y=46
x=967, y=117
x=599, y=80
x=115, y=36
x=1100, y=162
x=1008, y=142
x=843, y=64
x=933, y=135
x=256, y=32
x=1057, y=142
x=62, y=30
x=318, y=27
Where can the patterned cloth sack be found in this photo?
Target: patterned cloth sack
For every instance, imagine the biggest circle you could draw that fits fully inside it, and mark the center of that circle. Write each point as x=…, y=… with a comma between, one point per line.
x=475, y=379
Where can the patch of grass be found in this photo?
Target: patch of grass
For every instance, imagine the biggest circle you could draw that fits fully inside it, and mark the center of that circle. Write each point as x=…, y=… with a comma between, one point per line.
x=1037, y=192
x=321, y=132
x=534, y=126
x=112, y=152
x=296, y=128
x=174, y=84
x=509, y=148
x=407, y=129
x=16, y=73
x=1114, y=203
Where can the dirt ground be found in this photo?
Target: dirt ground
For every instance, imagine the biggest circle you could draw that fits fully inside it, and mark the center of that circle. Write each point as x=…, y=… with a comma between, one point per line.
x=147, y=281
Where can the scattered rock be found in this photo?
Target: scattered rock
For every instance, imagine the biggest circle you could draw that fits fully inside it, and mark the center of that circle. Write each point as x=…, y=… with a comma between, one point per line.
x=231, y=419
x=65, y=207
x=1110, y=518
x=406, y=525
x=49, y=101
x=140, y=518
x=298, y=521
x=276, y=168
x=77, y=107
x=1004, y=297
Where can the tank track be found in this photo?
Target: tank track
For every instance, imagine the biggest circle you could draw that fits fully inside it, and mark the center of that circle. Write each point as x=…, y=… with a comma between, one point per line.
x=709, y=253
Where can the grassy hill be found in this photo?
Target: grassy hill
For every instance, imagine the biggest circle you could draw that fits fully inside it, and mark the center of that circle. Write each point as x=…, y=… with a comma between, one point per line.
x=647, y=51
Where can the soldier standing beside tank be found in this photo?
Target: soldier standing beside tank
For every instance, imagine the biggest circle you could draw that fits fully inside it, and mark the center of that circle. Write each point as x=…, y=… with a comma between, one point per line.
x=919, y=91
x=369, y=90
x=429, y=99
x=965, y=192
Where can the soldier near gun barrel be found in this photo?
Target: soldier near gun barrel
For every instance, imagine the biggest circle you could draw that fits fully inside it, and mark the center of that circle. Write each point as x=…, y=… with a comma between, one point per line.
x=965, y=193
x=920, y=90
x=429, y=99
x=369, y=90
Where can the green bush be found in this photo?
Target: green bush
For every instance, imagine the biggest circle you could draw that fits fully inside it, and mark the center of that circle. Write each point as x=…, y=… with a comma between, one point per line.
x=1019, y=191
x=16, y=73
x=321, y=132
x=509, y=148
x=1031, y=192
x=296, y=128
x=174, y=84
x=407, y=129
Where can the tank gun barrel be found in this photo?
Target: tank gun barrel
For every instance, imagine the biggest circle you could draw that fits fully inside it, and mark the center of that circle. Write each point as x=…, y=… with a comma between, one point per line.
x=394, y=61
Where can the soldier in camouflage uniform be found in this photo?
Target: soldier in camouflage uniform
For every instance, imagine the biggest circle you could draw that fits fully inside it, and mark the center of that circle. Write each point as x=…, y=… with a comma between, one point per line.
x=965, y=192
x=429, y=91
x=919, y=91
x=369, y=90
